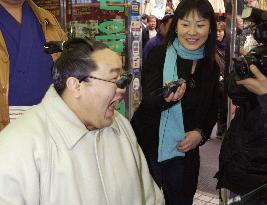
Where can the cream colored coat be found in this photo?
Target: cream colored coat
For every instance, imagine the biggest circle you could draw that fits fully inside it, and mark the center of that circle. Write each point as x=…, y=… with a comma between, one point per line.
x=48, y=157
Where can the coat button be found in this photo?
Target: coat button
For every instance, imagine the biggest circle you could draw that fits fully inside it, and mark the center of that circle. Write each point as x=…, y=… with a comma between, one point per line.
x=4, y=59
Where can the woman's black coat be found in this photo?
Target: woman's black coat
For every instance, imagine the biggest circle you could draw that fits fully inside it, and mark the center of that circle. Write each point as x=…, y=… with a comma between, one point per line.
x=199, y=105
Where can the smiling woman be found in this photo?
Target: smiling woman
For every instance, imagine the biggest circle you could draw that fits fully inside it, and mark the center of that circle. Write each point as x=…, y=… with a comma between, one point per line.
x=192, y=31
x=170, y=129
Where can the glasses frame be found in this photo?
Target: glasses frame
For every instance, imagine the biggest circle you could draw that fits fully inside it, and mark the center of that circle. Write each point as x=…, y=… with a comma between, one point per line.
x=122, y=85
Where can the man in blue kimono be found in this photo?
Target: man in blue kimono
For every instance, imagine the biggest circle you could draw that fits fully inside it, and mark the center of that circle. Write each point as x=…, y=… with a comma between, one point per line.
x=25, y=72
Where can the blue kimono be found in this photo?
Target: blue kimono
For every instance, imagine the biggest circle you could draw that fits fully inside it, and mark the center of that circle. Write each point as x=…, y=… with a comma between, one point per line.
x=30, y=66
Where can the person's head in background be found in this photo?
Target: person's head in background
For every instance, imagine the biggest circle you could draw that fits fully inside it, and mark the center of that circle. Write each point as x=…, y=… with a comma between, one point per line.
x=239, y=24
x=169, y=7
x=194, y=24
x=151, y=22
x=253, y=3
x=220, y=31
x=165, y=24
x=144, y=19
x=85, y=77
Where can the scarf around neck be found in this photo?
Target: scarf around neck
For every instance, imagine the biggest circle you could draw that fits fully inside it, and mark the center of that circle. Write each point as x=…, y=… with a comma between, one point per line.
x=171, y=130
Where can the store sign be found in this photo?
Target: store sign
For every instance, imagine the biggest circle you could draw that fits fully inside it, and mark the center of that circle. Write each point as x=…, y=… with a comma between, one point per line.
x=113, y=29
x=105, y=6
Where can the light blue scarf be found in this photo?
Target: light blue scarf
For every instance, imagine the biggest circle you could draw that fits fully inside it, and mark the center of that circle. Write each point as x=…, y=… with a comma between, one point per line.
x=171, y=130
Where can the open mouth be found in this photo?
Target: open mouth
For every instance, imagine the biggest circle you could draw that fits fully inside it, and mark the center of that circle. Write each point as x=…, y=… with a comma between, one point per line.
x=115, y=103
x=112, y=106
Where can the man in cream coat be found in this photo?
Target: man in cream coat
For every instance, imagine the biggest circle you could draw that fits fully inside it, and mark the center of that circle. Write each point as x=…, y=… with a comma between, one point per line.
x=74, y=148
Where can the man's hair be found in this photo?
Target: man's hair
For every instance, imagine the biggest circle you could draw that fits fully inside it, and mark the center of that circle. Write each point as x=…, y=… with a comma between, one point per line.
x=144, y=16
x=205, y=10
x=149, y=18
x=75, y=61
x=221, y=25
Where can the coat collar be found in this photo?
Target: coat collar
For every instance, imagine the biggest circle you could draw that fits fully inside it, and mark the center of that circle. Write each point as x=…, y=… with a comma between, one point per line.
x=43, y=16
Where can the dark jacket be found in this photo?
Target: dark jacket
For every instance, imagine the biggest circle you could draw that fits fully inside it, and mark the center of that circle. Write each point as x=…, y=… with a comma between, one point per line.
x=243, y=154
x=145, y=36
x=199, y=106
x=220, y=56
x=157, y=40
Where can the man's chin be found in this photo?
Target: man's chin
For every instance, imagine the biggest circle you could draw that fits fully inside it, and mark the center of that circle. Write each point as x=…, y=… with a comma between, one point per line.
x=106, y=122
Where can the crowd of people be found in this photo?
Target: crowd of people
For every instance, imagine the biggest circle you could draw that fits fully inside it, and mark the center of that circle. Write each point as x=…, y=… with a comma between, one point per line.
x=73, y=147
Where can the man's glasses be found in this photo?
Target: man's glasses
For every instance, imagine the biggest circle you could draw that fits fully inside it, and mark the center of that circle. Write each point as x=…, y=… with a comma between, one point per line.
x=123, y=82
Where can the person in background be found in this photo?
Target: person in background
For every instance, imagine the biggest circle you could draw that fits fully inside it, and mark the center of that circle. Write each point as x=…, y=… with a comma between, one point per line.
x=220, y=59
x=253, y=3
x=150, y=31
x=25, y=73
x=169, y=7
x=74, y=148
x=170, y=129
x=241, y=36
x=158, y=39
x=144, y=21
x=243, y=158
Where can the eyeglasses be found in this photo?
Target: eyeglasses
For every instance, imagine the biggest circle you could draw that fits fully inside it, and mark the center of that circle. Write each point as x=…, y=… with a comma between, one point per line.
x=123, y=82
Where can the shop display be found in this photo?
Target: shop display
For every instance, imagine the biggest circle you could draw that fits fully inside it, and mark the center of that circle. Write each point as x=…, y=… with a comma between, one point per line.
x=117, y=24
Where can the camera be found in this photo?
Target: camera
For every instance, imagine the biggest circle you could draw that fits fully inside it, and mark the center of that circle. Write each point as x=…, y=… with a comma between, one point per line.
x=257, y=55
x=172, y=87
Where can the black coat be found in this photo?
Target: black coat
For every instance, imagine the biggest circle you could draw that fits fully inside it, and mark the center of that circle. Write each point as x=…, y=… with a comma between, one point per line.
x=199, y=105
x=243, y=154
x=145, y=36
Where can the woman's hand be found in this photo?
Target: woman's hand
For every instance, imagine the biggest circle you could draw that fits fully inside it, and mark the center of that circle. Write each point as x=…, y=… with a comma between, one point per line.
x=177, y=95
x=191, y=141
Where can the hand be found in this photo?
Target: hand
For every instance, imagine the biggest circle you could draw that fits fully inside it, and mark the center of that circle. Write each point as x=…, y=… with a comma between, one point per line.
x=177, y=95
x=256, y=85
x=191, y=141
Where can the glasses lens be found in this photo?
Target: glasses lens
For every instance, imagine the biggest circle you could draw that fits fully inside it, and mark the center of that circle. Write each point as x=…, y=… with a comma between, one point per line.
x=124, y=81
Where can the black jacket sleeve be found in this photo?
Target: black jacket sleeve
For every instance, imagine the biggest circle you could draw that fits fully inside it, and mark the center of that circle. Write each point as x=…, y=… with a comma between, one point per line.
x=211, y=117
x=263, y=103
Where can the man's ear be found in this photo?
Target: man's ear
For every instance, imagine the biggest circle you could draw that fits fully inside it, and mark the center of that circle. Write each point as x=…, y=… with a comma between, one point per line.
x=73, y=85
